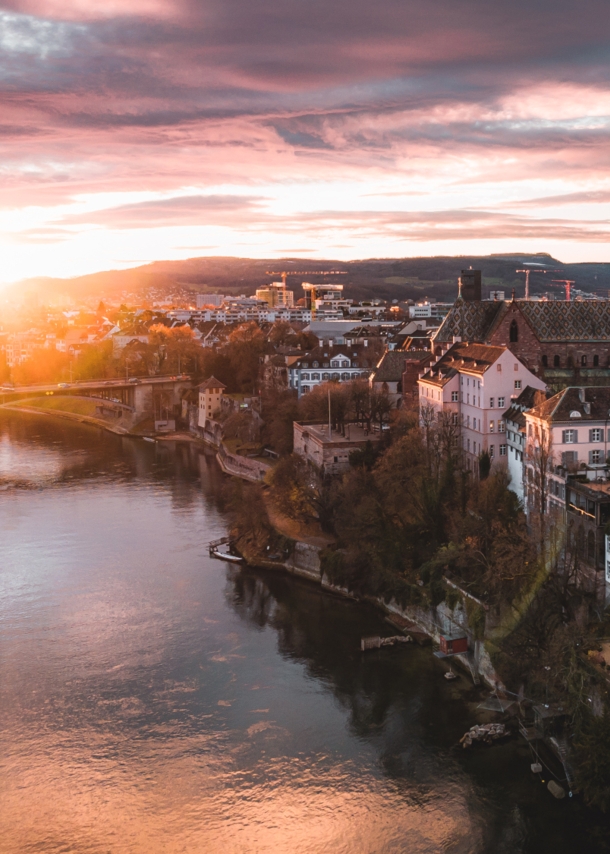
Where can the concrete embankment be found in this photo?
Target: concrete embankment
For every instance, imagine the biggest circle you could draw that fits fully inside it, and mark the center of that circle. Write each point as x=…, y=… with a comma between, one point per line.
x=305, y=562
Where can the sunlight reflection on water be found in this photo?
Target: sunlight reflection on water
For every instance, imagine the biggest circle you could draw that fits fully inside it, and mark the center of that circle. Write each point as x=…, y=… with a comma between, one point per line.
x=154, y=700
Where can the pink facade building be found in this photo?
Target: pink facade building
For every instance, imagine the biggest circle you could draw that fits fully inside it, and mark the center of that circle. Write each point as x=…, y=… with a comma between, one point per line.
x=476, y=384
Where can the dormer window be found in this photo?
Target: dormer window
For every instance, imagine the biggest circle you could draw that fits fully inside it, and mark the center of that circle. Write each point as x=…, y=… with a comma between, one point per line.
x=315, y=364
x=575, y=414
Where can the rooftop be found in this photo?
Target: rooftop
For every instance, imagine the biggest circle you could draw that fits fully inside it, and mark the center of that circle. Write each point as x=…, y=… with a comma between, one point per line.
x=353, y=433
x=576, y=404
x=556, y=320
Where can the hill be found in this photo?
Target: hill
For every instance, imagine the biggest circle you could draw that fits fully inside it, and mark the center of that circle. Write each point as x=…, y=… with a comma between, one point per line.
x=384, y=278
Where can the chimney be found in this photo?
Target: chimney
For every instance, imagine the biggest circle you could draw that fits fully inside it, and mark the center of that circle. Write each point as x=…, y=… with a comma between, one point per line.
x=366, y=342
x=581, y=395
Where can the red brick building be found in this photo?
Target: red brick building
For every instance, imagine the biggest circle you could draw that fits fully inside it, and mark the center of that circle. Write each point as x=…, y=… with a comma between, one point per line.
x=558, y=340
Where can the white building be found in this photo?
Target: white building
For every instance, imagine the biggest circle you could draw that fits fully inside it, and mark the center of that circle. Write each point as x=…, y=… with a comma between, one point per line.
x=329, y=364
x=210, y=399
x=516, y=437
x=476, y=384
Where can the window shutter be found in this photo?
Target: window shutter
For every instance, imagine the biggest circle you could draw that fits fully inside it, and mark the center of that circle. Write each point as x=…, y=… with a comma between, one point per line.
x=563, y=436
x=575, y=437
x=591, y=457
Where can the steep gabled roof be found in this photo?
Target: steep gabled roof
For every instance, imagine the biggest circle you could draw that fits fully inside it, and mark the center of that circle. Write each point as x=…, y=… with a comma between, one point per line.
x=391, y=367
x=212, y=382
x=470, y=321
x=591, y=404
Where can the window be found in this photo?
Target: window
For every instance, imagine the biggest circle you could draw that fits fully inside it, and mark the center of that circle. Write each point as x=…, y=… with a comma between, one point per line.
x=492, y=450
x=595, y=457
x=500, y=402
x=468, y=421
x=326, y=377
x=305, y=376
x=315, y=364
x=514, y=332
x=583, y=361
x=315, y=376
x=595, y=361
x=596, y=435
x=517, y=383
x=491, y=426
x=491, y=403
x=454, y=418
x=556, y=361
x=467, y=398
x=305, y=389
x=502, y=450
x=454, y=396
x=516, y=367
x=545, y=362
x=569, y=437
x=501, y=426
x=568, y=458
x=499, y=368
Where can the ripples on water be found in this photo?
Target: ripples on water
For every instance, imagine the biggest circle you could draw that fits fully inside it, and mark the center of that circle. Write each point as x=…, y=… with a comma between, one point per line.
x=154, y=700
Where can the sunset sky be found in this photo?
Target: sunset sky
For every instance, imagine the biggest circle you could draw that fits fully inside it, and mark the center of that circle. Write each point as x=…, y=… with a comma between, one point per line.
x=135, y=130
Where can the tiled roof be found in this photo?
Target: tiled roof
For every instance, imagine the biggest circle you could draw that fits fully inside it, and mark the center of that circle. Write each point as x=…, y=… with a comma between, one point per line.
x=361, y=359
x=470, y=321
x=391, y=367
x=475, y=358
x=212, y=382
x=560, y=407
x=557, y=320
x=585, y=320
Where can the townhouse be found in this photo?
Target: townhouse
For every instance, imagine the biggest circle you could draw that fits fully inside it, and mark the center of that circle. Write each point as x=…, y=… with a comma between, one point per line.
x=476, y=383
x=328, y=363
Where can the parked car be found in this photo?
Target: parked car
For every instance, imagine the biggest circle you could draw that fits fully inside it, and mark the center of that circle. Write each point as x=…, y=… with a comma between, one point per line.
x=63, y=385
x=134, y=380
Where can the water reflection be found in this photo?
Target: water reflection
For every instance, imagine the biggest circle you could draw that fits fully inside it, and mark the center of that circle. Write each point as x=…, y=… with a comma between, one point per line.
x=154, y=700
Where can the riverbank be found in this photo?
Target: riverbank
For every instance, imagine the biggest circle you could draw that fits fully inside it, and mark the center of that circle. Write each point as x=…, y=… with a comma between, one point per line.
x=78, y=417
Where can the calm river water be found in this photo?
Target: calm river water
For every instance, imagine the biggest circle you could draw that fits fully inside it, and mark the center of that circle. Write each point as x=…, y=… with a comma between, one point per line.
x=154, y=700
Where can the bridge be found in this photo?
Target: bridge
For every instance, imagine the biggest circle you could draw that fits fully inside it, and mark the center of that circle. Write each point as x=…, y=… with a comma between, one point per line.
x=134, y=398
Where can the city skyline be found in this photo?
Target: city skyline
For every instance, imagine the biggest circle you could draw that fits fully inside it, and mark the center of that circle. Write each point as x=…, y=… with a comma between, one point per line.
x=262, y=130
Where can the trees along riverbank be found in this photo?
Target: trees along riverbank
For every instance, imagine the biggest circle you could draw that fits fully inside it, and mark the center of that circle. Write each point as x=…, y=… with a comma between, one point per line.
x=411, y=526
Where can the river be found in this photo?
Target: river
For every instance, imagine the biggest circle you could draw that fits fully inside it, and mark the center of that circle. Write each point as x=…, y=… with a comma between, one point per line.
x=155, y=700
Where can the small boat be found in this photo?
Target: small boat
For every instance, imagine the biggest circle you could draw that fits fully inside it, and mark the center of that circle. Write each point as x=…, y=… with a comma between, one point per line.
x=147, y=439
x=449, y=675
x=226, y=556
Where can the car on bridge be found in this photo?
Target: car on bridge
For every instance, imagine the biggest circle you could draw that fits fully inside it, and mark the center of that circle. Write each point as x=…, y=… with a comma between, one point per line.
x=63, y=385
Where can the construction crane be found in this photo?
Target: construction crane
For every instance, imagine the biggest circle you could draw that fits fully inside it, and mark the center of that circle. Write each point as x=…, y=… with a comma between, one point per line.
x=527, y=278
x=568, y=283
x=285, y=273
